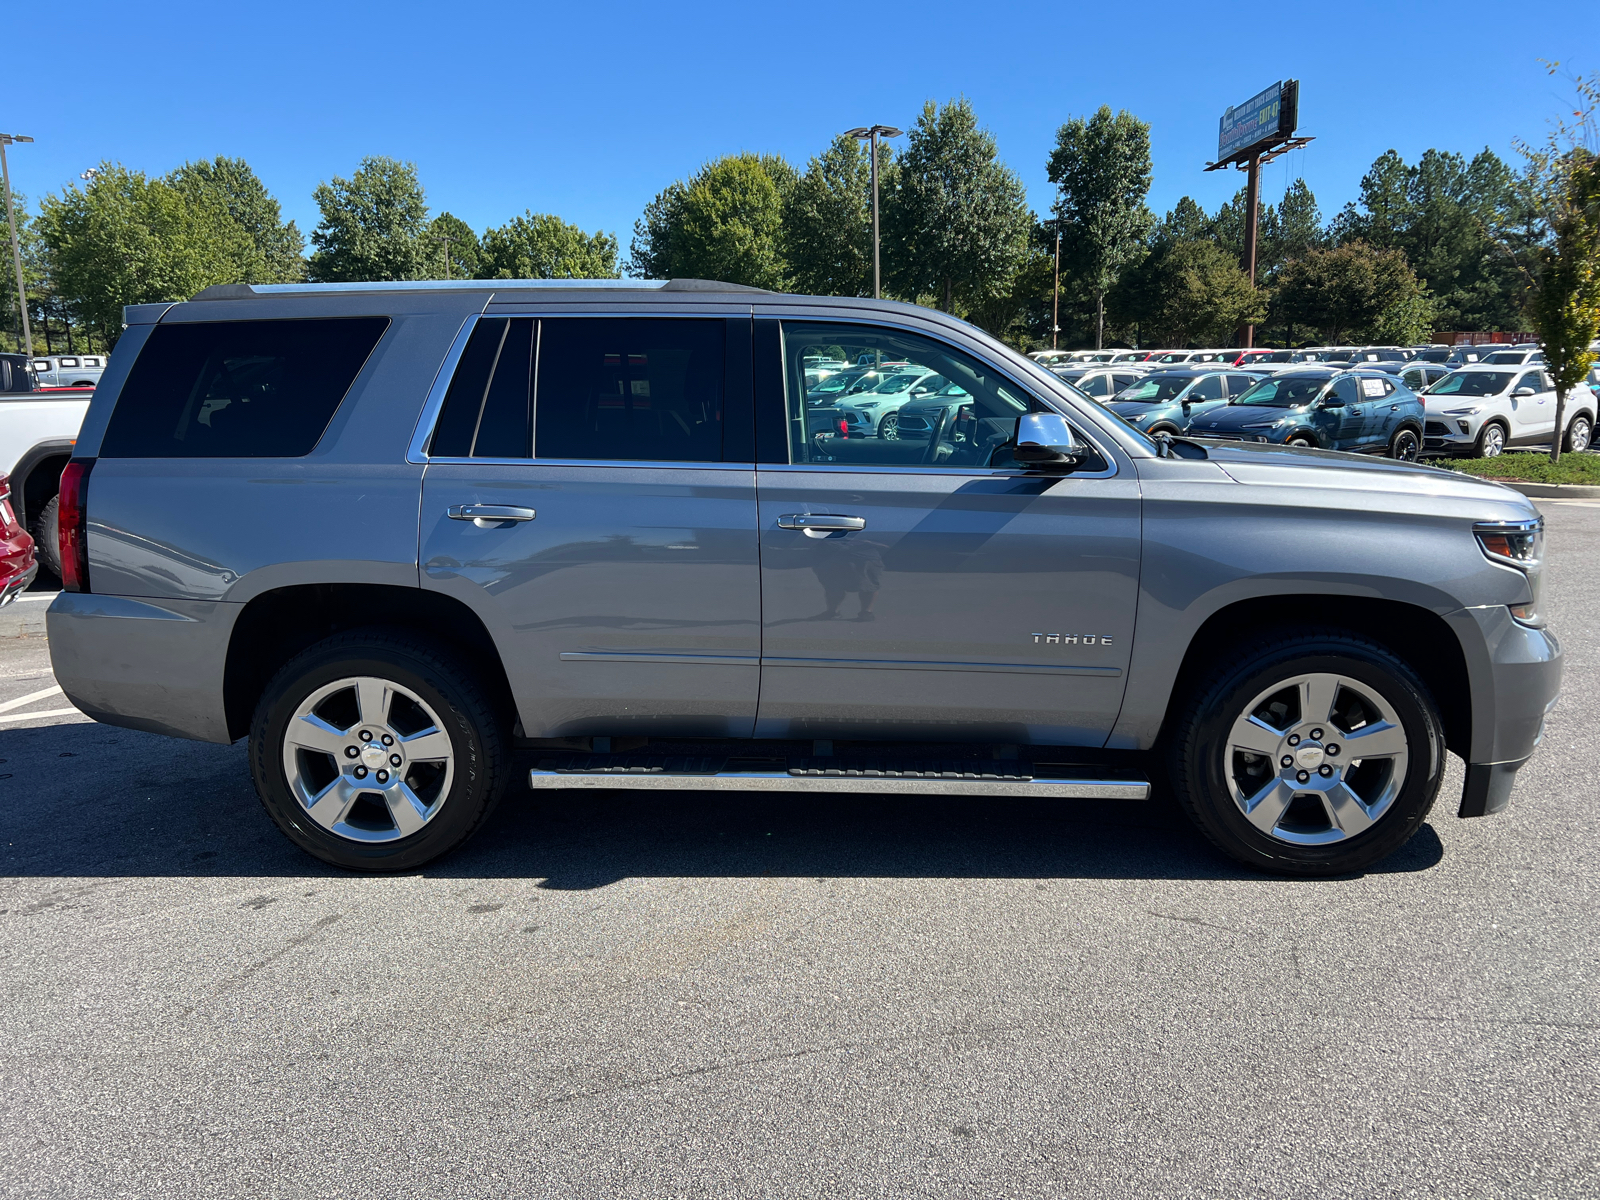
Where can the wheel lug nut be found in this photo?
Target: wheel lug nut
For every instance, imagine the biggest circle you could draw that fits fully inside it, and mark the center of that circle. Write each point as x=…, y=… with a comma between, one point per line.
x=1287, y=760
x=1331, y=749
x=351, y=751
x=394, y=760
x=1294, y=739
x=1304, y=776
x=383, y=777
x=387, y=740
x=1316, y=735
x=361, y=772
x=1325, y=770
x=365, y=735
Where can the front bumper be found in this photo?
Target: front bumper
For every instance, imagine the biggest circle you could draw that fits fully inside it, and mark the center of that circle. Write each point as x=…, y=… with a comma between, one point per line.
x=1511, y=703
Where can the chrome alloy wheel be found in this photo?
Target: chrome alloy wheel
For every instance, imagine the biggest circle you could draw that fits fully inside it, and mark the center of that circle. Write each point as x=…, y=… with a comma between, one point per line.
x=1316, y=759
x=368, y=759
x=1492, y=442
x=1580, y=433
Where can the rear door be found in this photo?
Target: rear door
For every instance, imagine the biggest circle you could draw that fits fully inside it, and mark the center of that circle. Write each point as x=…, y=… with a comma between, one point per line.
x=589, y=498
x=929, y=588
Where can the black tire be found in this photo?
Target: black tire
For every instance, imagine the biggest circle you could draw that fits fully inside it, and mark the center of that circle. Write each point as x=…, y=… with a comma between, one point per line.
x=1580, y=434
x=47, y=537
x=1486, y=445
x=1200, y=759
x=1169, y=430
x=1405, y=445
x=889, y=427
x=466, y=714
x=1301, y=439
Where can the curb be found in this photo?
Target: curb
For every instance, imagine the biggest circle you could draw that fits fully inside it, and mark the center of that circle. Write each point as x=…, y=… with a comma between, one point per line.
x=1552, y=491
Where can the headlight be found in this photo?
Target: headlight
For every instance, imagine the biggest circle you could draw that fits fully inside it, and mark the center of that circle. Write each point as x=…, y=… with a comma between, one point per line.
x=1515, y=543
x=1464, y=412
x=1518, y=544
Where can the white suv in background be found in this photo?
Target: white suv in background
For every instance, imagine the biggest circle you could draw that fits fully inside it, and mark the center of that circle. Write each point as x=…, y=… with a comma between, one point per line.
x=69, y=370
x=1482, y=409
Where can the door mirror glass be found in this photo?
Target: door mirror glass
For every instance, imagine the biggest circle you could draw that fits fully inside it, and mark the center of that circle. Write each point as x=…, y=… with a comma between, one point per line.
x=1521, y=391
x=1046, y=440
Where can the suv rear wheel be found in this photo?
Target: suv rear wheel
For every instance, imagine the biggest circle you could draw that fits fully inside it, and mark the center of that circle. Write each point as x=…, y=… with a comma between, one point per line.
x=1312, y=753
x=1404, y=445
x=1579, y=434
x=376, y=751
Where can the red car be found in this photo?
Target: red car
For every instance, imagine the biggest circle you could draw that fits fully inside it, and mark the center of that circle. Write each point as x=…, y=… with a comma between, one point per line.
x=17, y=565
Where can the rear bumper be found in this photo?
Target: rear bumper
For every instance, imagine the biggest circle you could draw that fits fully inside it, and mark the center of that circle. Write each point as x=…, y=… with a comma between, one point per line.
x=155, y=665
x=17, y=583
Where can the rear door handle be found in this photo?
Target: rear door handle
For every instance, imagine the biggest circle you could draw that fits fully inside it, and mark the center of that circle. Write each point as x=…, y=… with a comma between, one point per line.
x=484, y=516
x=816, y=524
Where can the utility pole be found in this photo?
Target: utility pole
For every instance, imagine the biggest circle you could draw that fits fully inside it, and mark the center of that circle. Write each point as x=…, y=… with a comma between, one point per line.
x=1252, y=205
x=444, y=240
x=872, y=133
x=1055, y=307
x=7, y=139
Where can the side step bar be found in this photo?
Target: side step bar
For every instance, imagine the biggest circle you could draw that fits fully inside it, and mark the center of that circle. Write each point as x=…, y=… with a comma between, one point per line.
x=1000, y=778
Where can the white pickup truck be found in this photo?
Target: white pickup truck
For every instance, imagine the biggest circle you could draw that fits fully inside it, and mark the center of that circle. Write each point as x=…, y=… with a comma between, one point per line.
x=38, y=427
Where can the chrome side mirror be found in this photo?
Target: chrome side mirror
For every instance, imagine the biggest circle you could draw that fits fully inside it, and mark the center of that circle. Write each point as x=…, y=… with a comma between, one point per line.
x=1046, y=440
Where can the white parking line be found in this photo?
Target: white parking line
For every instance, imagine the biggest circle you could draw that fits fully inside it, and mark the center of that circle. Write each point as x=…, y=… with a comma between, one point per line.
x=29, y=698
x=49, y=712
x=37, y=597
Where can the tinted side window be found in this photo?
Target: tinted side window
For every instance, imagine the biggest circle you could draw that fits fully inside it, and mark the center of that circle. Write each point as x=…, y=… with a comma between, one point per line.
x=238, y=389
x=629, y=388
x=486, y=412
x=1209, y=388
x=1238, y=385
x=1530, y=379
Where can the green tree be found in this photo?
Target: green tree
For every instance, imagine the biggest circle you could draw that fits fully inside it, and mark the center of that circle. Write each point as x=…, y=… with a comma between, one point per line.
x=274, y=249
x=129, y=239
x=448, y=235
x=725, y=223
x=1101, y=169
x=1355, y=290
x=956, y=219
x=1565, y=179
x=827, y=220
x=541, y=246
x=373, y=225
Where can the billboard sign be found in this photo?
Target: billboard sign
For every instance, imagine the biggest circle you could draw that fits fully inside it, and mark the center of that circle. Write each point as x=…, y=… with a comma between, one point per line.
x=1266, y=116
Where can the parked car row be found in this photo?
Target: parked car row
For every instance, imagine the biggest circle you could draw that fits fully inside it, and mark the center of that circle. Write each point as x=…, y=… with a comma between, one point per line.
x=1453, y=356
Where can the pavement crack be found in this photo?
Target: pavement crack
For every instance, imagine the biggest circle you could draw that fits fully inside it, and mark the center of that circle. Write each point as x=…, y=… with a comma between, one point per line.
x=300, y=940
x=1190, y=921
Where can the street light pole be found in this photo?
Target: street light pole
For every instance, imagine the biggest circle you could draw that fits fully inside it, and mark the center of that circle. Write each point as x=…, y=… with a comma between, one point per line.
x=872, y=133
x=7, y=139
x=1055, y=307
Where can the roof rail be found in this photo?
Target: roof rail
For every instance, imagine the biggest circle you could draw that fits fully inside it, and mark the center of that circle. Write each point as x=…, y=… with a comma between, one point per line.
x=244, y=291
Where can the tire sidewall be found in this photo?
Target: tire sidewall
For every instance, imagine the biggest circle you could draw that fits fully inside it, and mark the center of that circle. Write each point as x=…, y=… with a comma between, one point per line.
x=1483, y=440
x=47, y=537
x=471, y=788
x=1394, y=445
x=1211, y=791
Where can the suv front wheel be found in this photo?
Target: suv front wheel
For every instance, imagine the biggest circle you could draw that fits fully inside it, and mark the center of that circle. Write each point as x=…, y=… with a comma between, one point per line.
x=1311, y=753
x=376, y=751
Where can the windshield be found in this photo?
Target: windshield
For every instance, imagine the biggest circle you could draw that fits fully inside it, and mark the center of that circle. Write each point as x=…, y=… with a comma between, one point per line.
x=1288, y=391
x=834, y=383
x=1503, y=357
x=898, y=383
x=1155, y=389
x=1472, y=383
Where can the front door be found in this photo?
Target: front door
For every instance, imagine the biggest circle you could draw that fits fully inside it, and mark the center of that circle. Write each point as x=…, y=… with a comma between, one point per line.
x=1533, y=416
x=577, y=500
x=929, y=588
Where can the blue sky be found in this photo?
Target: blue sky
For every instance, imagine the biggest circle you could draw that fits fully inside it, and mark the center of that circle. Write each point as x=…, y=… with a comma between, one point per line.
x=587, y=110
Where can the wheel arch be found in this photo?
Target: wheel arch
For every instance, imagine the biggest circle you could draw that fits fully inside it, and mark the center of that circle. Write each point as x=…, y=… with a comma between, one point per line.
x=34, y=482
x=278, y=624
x=1416, y=635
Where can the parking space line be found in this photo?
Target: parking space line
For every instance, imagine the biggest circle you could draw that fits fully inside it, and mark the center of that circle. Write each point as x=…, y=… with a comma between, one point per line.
x=36, y=599
x=49, y=712
x=29, y=698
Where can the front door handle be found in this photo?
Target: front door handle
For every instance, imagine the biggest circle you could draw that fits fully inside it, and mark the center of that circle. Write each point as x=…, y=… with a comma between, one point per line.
x=820, y=524
x=486, y=516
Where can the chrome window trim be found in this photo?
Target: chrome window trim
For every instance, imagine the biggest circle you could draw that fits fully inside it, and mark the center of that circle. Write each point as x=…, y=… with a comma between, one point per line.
x=971, y=472
x=417, y=451
x=654, y=464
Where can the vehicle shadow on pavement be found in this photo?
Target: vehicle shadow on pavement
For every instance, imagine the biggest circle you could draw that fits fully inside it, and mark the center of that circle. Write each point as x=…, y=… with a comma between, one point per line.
x=94, y=800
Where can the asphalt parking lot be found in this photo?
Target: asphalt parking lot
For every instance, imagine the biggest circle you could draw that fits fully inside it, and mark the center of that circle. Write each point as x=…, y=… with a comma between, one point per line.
x=638, y=995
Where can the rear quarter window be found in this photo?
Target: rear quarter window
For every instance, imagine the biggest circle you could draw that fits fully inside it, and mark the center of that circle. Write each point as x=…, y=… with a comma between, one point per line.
x=238, y=389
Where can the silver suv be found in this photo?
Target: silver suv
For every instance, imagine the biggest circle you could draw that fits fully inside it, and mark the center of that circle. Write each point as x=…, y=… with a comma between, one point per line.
x=415, y=541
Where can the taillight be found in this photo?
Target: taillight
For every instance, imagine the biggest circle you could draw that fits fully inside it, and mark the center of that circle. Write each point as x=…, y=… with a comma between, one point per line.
x=72, y=519
x=844, y=426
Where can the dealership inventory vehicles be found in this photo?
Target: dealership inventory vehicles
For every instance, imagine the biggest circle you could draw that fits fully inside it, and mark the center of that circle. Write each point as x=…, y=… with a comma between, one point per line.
x=393, y=533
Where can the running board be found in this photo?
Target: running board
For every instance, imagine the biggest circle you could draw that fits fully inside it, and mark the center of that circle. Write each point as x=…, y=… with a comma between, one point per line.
x=1000, y=778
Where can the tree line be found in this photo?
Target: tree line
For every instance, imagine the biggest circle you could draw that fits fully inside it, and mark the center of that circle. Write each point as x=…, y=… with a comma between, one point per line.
x=1427, y=245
